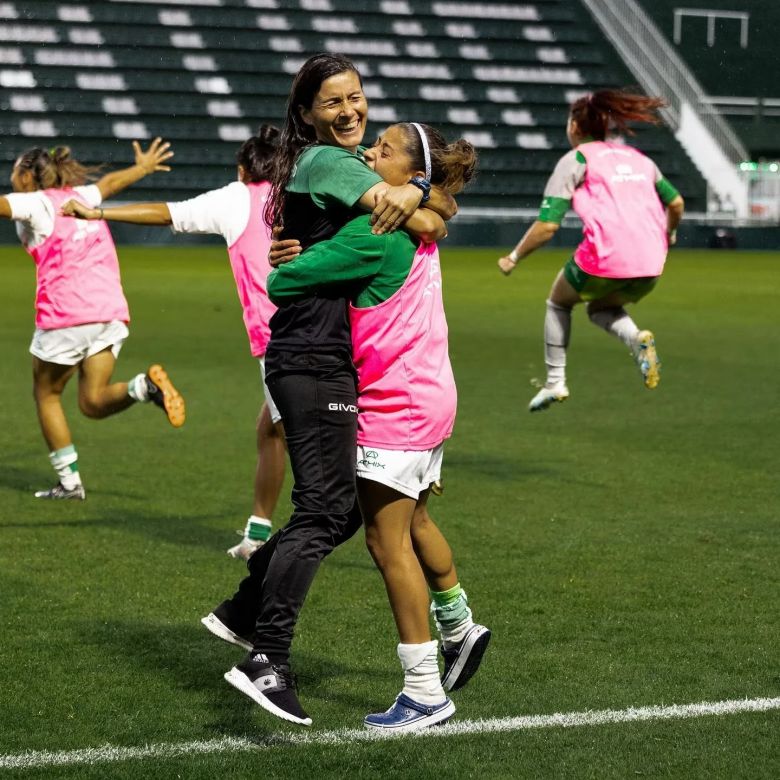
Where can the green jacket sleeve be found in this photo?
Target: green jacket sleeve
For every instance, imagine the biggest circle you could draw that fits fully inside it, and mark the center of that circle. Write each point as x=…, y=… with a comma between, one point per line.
x=354, y=253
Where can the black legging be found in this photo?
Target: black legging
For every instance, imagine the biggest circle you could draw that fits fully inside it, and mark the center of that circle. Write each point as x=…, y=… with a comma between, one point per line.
x=317, y=398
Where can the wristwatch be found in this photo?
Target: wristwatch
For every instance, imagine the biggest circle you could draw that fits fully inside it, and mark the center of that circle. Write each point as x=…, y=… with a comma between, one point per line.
x=422, y=184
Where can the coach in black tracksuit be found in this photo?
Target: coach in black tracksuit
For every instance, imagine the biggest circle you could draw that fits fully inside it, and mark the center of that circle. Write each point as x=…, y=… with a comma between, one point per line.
x=320, y=183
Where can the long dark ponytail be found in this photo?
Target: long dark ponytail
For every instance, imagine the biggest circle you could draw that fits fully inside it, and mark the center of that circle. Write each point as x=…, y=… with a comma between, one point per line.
x=296, y=134
x=256, y=153
x=596, y=114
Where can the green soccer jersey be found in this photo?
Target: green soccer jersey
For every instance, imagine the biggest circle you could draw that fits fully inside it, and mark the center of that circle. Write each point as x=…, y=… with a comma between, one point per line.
x=323, y=193
x=332, y=176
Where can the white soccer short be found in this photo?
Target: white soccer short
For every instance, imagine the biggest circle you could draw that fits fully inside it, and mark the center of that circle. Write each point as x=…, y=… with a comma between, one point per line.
x=407, y=471
x=275, y=415
x=69, y=346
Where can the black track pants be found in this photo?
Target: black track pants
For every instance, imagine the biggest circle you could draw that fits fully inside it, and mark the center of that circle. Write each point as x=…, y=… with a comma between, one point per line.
x=317, y=398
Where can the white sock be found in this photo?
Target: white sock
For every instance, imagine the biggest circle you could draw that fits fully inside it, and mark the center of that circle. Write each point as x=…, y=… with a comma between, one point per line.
x=65, y=462
x=421, y=672
x=557, y=329
x=617, y=322
x=137, y=388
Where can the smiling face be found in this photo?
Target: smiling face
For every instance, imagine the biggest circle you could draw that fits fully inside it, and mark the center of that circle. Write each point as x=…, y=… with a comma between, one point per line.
x=388, y=157
x=339, y=111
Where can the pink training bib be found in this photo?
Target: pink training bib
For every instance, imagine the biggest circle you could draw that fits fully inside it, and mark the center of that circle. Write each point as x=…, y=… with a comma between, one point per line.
x=406, y=390
x=77, y=271
x=624, y=221
x=249, y=261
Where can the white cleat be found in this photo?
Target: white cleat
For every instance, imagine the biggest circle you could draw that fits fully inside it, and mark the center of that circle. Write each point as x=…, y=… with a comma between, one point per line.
x=547, y=396
x=60, y=492
x=647, y=359
x=245, y=548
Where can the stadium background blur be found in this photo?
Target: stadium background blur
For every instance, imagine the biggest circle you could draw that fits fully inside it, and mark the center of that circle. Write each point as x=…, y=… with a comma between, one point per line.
x=204, y=73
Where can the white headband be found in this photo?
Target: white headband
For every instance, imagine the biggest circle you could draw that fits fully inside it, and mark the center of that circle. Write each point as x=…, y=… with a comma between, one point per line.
x=426, y=149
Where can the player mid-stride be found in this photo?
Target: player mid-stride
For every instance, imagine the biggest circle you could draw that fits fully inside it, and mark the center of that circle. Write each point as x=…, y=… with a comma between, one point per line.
x=81, y=312
x=630, y=215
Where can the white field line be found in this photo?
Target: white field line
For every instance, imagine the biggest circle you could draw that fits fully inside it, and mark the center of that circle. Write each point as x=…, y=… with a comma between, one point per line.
x=163, y=750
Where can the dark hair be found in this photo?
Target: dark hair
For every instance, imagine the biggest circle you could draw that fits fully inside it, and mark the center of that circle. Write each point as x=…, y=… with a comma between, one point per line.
x=606, y=109
x=296, y=134
x=256, y=153
x=55, y=168
x=452, y=165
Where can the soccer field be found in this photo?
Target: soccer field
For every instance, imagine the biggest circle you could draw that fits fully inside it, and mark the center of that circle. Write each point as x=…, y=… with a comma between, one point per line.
x=623, y=546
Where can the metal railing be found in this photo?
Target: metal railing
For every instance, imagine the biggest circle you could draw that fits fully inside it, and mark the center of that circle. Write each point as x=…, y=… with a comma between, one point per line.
x=659, y=69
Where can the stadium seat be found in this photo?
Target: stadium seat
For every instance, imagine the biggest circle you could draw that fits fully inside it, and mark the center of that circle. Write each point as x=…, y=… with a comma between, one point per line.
x=206, y=73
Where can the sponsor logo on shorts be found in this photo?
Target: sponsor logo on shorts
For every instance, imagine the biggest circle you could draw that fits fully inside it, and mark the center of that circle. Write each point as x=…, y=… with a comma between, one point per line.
x=369, y=460
x=339, y=407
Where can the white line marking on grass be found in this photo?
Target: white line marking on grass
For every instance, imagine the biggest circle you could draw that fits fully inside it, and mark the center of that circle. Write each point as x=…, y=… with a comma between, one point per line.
x=113, y=753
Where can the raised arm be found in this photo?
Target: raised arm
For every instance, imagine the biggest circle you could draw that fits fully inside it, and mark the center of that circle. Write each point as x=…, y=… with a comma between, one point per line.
x=146, y=162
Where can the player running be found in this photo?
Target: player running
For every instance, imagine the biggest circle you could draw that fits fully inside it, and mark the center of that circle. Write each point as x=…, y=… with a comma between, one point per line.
x=630, y=214
x=81, y=311
x=234, y=212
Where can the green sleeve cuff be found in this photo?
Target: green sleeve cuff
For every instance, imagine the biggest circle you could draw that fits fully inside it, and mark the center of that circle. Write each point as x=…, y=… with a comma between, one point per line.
x=554, y=209
x=666, y=191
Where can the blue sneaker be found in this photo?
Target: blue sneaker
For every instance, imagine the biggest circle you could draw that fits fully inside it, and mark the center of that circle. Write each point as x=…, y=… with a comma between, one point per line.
x=409, y=715
x=462, y=661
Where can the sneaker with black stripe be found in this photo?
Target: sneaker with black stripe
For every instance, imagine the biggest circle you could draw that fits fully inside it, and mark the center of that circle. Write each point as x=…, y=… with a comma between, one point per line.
x=462, y=660
x=272, y=686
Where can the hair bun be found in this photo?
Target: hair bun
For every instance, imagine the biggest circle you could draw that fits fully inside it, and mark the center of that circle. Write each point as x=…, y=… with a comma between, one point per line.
x=59, y=153
x=268, y=134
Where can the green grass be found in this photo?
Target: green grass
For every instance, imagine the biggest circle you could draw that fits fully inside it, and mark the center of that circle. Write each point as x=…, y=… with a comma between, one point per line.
x=623, y=546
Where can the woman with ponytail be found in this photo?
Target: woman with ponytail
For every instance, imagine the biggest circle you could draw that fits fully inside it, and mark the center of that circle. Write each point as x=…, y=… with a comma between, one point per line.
x=234, y=212
x=630, y=214
x=81, y=312
x=406, y=403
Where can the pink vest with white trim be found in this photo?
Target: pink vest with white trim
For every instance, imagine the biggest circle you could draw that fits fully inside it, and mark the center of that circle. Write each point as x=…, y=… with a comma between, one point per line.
x=249, y=261
x=77, y=270
x=624, y=221
x=406, y=390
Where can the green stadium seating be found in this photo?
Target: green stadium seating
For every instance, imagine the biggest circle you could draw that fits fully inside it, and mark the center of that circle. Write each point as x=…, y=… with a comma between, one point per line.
x=205, y=74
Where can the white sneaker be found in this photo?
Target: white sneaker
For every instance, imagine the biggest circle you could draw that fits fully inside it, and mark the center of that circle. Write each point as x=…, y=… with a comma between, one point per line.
x=245, y=548
x=59, y=492
x=549, y=395
x=647, y=359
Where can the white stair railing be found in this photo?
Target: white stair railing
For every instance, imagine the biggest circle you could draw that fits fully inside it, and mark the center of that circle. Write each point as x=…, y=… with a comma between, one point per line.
x=706, y=136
